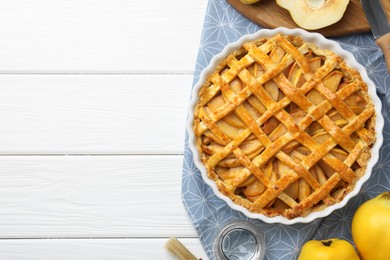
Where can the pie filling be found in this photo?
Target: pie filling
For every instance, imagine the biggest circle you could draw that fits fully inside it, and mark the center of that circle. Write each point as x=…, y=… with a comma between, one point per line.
x=284, y=127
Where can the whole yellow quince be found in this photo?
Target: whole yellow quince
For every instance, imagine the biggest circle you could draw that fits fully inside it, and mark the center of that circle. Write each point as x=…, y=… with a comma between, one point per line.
x=248, y=2
x=371, y=228
x=330, y=249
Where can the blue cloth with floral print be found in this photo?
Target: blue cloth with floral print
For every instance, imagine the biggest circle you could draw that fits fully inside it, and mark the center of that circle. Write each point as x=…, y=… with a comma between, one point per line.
x=223, y=25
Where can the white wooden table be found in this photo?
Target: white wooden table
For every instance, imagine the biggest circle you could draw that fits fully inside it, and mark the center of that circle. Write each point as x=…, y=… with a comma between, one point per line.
x=93, y=100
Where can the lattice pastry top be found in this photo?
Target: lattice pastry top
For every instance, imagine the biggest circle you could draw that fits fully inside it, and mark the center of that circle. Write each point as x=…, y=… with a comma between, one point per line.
x=284, y=127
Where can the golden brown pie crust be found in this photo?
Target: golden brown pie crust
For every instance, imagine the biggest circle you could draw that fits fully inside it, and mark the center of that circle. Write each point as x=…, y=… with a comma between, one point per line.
x=284, y=127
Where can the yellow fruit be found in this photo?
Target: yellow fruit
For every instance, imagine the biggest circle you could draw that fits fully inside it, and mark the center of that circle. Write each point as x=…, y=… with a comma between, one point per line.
x=332, y=249
x=314, y=14
x=249, y=1
x=371, y=228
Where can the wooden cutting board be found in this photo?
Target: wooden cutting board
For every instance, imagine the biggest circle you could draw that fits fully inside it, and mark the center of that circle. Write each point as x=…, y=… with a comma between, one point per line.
x=268, y=14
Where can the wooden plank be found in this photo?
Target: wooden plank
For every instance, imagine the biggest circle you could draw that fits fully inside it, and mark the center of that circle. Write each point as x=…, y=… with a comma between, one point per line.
x=93, y=114
x=96, y=249
x=92, y=196
x=270, y=15
x=100, y=35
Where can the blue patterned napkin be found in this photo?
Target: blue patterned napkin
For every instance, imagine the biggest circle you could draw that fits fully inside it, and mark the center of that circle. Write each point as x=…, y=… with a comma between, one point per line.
x=223, y=25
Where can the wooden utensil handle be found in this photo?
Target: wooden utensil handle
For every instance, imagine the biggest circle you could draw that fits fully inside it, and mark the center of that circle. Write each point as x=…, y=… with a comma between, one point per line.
x=384, y=43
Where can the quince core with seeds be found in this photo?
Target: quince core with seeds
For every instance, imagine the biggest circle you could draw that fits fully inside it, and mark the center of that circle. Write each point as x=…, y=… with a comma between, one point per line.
x=315, y=14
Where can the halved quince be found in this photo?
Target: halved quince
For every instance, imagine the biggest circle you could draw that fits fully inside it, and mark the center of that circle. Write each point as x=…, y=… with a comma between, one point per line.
x=315, y=14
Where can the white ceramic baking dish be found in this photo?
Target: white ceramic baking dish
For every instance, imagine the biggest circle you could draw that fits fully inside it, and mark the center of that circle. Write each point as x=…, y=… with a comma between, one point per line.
x=323, y=43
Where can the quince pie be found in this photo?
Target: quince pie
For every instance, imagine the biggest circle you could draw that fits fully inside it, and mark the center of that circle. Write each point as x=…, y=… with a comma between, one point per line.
x=284, y=127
